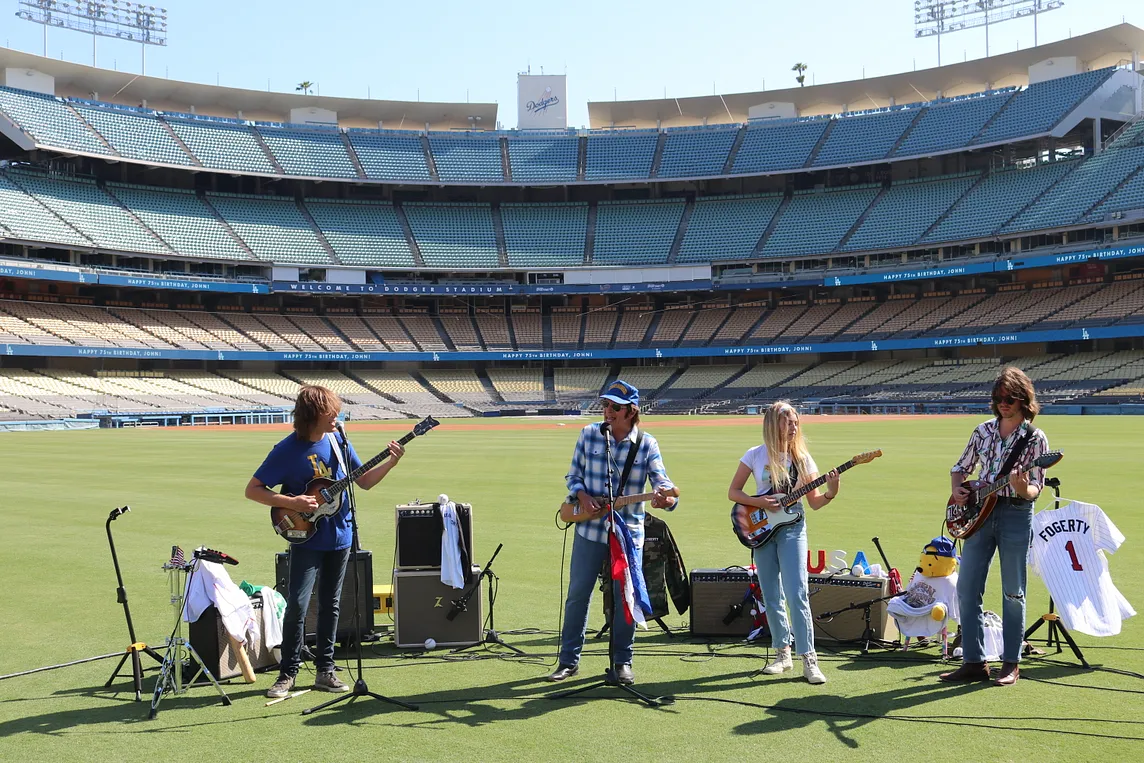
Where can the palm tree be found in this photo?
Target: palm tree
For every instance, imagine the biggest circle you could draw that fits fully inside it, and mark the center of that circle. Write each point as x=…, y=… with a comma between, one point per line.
x=305, y=86
x=800, y=77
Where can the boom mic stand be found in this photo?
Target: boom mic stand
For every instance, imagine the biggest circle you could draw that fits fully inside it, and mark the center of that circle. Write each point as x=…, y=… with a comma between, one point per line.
x=462, y=604
x=360, y=688
x=1057, y=629
x=135, y=647
x=868, y=635
x=610, y=678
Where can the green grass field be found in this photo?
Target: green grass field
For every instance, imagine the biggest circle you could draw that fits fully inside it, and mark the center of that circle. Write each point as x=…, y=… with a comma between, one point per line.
x=185, y=487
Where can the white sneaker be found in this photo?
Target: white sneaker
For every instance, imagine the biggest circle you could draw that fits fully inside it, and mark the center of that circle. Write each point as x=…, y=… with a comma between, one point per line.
x=810, y=669
x=780, y=664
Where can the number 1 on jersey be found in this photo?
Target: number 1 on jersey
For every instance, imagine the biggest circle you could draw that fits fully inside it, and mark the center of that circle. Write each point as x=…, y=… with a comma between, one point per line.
x=1072, y=555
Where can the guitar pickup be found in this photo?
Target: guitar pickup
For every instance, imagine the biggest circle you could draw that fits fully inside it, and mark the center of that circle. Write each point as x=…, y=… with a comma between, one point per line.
x=326, y=497
x=759, y=518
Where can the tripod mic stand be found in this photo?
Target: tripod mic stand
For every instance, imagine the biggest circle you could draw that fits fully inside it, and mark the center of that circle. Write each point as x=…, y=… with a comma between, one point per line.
x=869, y=636
x=135, y=647
x=462, y=604
x=1057, y=628
x=360, y=689
x=610, y=677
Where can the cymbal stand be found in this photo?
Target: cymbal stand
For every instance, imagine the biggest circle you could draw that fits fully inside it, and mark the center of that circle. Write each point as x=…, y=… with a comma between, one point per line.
x=179, y=650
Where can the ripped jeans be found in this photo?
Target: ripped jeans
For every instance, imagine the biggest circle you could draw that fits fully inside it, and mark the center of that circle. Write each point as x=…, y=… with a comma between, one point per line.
x=1008, y=530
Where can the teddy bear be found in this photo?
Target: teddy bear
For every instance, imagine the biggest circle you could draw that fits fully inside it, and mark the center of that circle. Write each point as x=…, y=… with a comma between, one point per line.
x=930, y=600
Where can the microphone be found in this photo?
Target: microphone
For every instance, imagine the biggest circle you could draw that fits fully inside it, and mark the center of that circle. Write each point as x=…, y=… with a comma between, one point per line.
x=735, y=611
x=115, y=513
x=210, y=555
x=604, y=426
x=458, y=608
x=340, y=427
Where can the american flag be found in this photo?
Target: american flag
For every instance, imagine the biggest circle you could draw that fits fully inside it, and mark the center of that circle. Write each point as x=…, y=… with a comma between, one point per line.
x=177, y=559
x=633, y=590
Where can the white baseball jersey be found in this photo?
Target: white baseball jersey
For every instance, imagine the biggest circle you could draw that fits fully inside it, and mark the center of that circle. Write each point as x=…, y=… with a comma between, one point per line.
x=1067, y=551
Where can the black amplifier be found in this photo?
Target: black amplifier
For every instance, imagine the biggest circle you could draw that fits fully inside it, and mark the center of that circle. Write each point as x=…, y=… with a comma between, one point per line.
x=419, y=528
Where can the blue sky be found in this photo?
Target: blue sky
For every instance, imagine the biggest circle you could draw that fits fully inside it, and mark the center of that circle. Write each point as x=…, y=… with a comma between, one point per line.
x=449, y=50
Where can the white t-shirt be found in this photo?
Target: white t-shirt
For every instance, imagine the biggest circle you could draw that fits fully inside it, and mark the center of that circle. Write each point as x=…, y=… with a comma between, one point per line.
x=757, y=460
x=1068, y=553
x=912, y=611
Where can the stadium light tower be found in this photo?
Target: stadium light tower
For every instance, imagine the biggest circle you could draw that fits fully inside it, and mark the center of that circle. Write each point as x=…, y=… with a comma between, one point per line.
x=135, y=22
x=933, y=18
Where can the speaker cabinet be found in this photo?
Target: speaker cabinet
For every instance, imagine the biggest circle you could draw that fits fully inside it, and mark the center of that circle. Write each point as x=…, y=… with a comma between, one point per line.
x=421, y=603
x=209, y=638
x=829, y=593
x=345, y=632
x=717, y=595
x=419, y=529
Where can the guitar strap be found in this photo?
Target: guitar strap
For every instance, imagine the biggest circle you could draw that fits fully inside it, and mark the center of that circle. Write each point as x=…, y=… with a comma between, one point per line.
x=1018, y=449
x=337, y=453
x=630, y=461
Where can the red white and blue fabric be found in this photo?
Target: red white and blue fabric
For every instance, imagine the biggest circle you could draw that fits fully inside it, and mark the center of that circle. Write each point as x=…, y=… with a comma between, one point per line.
x=629, y=573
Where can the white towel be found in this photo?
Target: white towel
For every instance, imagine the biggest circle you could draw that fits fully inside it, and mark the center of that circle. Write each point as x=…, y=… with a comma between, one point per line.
x=451, y=572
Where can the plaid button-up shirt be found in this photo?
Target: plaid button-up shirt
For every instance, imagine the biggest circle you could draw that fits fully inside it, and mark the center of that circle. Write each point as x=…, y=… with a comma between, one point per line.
x=989, y=450
x=589, y=472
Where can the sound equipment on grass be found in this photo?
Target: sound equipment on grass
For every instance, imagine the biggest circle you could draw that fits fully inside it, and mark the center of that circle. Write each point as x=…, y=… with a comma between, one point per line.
x=964, y=519
x=829, y=593
x=419, y=528
x=721, y=602
x=345, y=634
x=421, y=608
x=382, y=603
x=571, y=512
x=220, y=653
x=754, y=526
x=300, y=526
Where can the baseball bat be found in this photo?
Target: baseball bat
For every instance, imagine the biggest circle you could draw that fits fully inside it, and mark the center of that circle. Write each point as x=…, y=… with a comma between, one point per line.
x=243, y=660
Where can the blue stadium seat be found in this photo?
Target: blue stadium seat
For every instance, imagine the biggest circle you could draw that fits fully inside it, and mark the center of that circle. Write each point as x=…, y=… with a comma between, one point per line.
x=543, y=158
x=274, y=229
x=135, y=133
x=727, y=228
x=29, y=220
x=1039, y=107
x=864, y=138
x=222, y=145
x=620, y=155
x=906, y=211
x=544, y=235
x=454, y=235
x=779, y=146
x=49, y=121
x=182, y=220
x=390, y=155
x=636, y=233
x=362, y=233
x=948, y=126
x=317, y=153
x=467, y=157
x=814, y=222
x=696, y=152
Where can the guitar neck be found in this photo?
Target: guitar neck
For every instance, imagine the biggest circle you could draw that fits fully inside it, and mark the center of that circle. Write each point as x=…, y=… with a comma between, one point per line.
x=625, y=500
x=999, y=483
x=794, y=497
x=344, y=482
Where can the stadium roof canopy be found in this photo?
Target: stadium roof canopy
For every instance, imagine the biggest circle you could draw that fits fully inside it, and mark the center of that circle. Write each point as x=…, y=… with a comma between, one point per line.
x=80, y=81
x=1106, y=47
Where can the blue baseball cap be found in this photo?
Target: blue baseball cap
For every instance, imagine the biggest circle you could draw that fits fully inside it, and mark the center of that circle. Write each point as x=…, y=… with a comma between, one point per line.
x=941, y=546
x=623, y=393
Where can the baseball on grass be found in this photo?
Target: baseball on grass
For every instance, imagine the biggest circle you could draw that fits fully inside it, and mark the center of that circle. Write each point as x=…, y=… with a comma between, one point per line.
x=430, y=643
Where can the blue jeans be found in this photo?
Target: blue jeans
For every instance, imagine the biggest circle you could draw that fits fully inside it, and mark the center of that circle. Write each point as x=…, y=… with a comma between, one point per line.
x=781, y=566
x=1009, y=529
x=587, y=561
x=329, y=567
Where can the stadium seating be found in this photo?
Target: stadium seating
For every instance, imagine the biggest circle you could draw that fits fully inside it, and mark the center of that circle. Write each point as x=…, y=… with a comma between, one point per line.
x=621, y=155
x=50, y=121
x=456, y=235
x=727, y=228
x=814, y=223
x=220, y=145
x=528, y=327
x=636, y=232
x=1038, y=108
x=863, y=138
x=702, y=329
x=318, y=153
x=460, y=330
x=135, y=133
x=362, y=234
x=524, y=385
x=423, y=331
x=578, y=384
x=29, y=220
x=949, y=125
x=566, y=326
x=181, y=220
x=494, y=329
x=781, y=146
x=467, y=157
x=395, y=156
x=544, y=235
x=634, y=324
x=696, y=152
x=906, y=211
x=274, y=229
x=543, y=158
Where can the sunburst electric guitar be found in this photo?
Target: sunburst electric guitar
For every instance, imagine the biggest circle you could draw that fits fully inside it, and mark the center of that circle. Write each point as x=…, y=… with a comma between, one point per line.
x=964, y=519
x=755, y=527
x=300, y=526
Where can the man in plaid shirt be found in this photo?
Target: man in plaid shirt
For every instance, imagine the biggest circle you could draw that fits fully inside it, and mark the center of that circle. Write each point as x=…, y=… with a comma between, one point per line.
x=587, y=481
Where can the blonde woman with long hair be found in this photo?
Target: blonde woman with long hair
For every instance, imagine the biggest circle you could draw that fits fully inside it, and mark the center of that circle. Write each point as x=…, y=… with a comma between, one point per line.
x=781, y=464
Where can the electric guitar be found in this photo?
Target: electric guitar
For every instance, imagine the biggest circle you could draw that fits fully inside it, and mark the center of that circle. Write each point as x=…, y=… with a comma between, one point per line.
x=300, y=526
x=571, y=512
x=754, y=527
x=964, y=519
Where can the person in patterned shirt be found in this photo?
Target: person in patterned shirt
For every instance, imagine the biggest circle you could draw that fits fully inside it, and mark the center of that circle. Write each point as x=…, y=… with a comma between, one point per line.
x=1007, y=530
x=587, y=480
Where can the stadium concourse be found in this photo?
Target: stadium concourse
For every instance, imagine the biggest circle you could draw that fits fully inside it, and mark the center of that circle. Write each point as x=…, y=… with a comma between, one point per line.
x=170, y=259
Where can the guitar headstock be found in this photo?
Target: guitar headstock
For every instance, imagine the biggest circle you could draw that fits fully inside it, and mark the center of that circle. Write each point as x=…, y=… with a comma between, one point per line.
x=867, y=457
x=1052, y=458
x=425, y=425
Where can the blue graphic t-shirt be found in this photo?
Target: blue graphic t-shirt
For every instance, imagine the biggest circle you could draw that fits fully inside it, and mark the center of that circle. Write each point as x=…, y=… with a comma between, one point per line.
x=292, y=464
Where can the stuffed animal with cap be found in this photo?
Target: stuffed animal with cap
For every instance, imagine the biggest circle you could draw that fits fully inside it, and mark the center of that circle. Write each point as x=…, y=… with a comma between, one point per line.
x=930, y=600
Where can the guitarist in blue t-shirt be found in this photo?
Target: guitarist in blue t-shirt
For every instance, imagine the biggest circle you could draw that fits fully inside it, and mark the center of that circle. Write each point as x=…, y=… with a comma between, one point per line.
x=312, y=452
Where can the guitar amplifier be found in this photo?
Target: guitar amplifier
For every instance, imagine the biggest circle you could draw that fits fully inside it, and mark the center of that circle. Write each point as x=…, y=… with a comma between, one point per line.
x=209, y=638
x=345, y=633
x=829, y=593
x=718, y=595
x=420, y=605
x=419, y=531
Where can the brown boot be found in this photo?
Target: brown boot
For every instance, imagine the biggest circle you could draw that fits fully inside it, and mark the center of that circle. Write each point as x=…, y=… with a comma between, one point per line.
x=969, y=671
x=1010, y=672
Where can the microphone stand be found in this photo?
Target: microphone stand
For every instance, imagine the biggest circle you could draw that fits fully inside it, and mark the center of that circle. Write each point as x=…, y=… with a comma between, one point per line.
x=361, y=689
x=868, y=636
x=610, y=678
x=135, y=647
x=462, y=604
